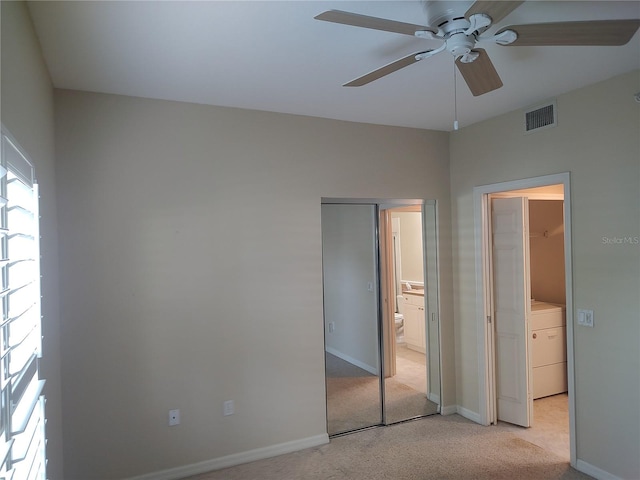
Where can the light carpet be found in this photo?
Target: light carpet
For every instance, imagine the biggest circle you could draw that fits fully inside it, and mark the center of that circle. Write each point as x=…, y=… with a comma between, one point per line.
x=437, y=447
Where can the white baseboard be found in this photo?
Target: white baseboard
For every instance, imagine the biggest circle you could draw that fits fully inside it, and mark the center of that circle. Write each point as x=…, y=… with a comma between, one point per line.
x=468, y=414
x=434, y=397
x=353, y=361
x=235, y=459
x=449, y=410
x=595, y=472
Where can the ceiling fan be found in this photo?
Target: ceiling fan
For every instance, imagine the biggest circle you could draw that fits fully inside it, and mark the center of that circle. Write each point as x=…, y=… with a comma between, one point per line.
x=460, y=33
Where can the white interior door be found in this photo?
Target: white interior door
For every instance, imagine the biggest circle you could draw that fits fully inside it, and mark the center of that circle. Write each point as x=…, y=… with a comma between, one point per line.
x=512, y=306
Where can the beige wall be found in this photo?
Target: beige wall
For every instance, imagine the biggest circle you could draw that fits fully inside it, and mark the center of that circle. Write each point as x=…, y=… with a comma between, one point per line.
x=412, y=258
x=191, y=271
x=546, y=250
x=597, y=141
x=27, y=112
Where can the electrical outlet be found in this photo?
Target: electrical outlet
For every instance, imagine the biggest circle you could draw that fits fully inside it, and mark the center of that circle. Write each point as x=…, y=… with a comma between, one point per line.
x=228, y=408
x=174, y=417
x=585, y=318
x=332, y=327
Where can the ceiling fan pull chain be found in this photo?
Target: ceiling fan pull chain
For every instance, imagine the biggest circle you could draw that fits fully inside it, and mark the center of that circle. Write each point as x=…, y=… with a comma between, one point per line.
x=455, y=97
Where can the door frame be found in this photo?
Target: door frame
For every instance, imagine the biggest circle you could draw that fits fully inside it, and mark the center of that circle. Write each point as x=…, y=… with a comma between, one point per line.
x=486, y=352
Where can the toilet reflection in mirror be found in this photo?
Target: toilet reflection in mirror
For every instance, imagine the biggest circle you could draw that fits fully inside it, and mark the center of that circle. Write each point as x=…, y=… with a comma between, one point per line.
x=399, y=321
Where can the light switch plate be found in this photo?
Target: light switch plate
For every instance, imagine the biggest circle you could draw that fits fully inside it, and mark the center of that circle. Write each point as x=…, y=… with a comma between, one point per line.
x=585, y=318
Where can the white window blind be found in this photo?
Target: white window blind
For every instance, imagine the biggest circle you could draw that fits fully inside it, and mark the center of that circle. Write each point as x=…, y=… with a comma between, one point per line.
x=22, y=419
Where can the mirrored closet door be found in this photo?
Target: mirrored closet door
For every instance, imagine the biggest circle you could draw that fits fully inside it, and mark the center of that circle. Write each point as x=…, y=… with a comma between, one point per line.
x=352, y=346
x=381, y=313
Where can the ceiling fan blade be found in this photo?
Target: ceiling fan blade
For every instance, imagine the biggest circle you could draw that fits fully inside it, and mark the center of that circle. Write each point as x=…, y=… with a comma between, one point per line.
x=375, y=23
x=383, y=71
x=480, y=75
x=497, y=10
x=591, y=32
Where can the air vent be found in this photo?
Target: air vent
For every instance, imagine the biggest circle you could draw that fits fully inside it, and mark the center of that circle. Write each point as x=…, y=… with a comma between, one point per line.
x=540, y=117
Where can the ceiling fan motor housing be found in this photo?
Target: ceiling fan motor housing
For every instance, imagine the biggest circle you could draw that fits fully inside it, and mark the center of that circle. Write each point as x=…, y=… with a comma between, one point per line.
x=460, y=44
x=441, y=12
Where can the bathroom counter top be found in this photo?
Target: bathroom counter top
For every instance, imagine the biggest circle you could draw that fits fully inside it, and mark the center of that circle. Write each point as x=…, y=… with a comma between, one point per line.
x=414, y=292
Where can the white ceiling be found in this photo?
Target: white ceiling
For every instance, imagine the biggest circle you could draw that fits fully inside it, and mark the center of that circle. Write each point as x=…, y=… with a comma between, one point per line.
x=273, y=55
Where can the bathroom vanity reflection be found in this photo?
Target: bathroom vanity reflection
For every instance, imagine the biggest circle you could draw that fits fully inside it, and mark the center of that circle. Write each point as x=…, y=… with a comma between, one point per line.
x=411, y=308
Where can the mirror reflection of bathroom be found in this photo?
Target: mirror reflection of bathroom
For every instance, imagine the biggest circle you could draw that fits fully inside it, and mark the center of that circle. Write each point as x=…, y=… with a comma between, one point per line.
x=411, y=388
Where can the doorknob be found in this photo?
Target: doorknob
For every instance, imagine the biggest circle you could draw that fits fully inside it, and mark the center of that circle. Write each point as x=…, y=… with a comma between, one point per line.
x=535, y=335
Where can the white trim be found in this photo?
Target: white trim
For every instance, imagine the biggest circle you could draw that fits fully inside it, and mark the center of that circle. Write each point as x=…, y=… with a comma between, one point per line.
x=480, y=208
x=449, y=410
x=469, y=415
x=463, y=412
x=353, y=361
x=595, y=472
x=431, y=309
x=438, y=297
x=384, y=203
x=532, y=196
x=235, y=459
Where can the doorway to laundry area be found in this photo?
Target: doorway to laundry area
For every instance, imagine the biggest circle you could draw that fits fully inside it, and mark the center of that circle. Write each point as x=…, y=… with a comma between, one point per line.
x=525, y=310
